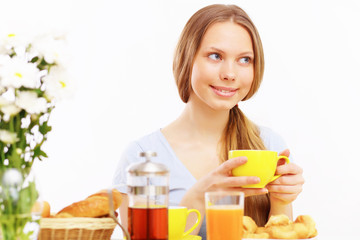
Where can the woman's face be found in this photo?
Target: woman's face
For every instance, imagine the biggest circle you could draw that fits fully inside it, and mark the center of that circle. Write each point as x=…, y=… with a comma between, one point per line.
x=223, y=68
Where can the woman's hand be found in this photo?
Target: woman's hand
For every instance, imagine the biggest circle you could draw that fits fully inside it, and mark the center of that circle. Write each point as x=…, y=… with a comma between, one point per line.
x=218, y=179
x=286, y=188
x=222, y=179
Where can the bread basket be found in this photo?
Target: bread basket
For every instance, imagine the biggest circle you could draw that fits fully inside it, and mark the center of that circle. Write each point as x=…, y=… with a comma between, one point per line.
x=76, y=228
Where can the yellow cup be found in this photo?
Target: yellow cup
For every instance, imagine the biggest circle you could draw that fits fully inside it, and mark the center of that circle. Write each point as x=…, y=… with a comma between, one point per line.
x=177, y=222
x=261, y=163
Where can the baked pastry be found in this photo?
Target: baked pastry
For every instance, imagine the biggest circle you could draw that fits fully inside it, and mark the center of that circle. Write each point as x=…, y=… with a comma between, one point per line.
x=249, y=224
x=278, y=220
x=280, y=227
x=96, y=205
x=282, y=232
x=309, y=223
x=256, y=235
x=301, y=230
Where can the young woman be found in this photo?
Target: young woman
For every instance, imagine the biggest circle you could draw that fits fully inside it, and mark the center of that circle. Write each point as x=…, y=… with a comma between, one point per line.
x=218, y=62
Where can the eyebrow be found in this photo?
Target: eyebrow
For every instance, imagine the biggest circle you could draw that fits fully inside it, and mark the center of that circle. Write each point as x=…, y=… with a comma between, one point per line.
x=221, y=51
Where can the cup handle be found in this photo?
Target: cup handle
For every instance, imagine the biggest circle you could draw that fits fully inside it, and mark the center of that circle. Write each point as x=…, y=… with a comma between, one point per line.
x=278, y=158
x=197, y=222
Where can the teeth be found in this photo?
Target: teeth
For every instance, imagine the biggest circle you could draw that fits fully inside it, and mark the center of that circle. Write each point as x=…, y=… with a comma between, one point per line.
x=224, y=91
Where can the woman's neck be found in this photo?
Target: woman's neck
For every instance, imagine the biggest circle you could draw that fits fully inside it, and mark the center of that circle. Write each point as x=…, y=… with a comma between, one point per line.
x=201, y=121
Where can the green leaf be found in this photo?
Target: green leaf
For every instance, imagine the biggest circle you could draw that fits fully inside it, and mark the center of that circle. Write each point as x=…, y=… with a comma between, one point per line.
x=42, y=153
x=22, y=142
x=13, y=53
x=37, y=151
x=35, y=59
x=44, y=128
x=14, y=158
x=4, y=125
x=39, y=92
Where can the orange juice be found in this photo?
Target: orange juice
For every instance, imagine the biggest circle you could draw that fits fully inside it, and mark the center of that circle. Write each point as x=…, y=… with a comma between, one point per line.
x=224, y=222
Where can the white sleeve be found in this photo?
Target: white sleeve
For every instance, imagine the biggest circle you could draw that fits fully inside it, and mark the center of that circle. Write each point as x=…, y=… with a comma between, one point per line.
x=129, y=156
x=273, y=141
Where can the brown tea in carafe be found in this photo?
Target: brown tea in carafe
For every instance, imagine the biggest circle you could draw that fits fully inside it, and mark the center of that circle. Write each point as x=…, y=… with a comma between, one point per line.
x=148, y=223
x=148, y=193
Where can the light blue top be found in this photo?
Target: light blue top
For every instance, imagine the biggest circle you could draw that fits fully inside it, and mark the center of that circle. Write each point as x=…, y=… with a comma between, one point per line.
x=180, y=177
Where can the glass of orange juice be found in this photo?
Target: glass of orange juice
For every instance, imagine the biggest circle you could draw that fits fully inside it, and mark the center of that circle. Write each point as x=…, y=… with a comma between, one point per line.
x=224, y=215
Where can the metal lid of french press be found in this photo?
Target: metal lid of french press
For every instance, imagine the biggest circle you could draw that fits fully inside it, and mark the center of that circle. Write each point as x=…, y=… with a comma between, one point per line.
x=148, y=167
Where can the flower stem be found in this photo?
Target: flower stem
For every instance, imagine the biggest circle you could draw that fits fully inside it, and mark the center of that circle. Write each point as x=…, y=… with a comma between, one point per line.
x=11, y=127
x=2, y=146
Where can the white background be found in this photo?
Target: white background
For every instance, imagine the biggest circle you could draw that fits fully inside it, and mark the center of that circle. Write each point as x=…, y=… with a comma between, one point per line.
x=121, y=65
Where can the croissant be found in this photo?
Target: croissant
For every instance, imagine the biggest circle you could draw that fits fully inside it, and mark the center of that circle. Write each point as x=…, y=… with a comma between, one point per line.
x=96, y=205
x=278, y=220
x=249, y=224
x=309, y=223
x=301, y=230
x=256, y=235
x=281, y=227
x=282, y=232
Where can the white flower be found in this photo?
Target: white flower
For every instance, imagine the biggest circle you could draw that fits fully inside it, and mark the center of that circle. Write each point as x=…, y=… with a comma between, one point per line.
x=3, y=101
x=50, y=48
x=56, y=83
x=17, y=72
x=10, y=109
x=8, y=137
x=12, y=178
x=8, y=96
x=9, y=40
x=4, y=59
x=31, y=103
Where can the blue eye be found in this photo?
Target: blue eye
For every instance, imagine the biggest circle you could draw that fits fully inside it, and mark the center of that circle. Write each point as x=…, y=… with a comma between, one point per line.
x=245, y=60
x=215, y=56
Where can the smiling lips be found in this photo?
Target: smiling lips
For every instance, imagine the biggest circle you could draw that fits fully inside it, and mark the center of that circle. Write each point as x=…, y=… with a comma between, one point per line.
x=223, y=91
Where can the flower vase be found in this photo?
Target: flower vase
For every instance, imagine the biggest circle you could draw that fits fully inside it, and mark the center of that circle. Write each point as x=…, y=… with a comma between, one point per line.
x=20, y=208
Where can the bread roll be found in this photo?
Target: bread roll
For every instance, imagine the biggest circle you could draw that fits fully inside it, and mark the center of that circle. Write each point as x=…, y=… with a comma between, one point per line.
x=249, y=224
x=261, y=230
x=278, y=220
x=281, y=227
x=282, y=232
x=96, y=205
x=301, y=230
x=256, y=235
x=309, y=223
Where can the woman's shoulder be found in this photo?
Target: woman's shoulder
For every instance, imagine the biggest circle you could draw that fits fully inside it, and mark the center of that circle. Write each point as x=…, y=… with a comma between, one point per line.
x=131, y=154
x=272, y=140
x=153, y=141
x=148, y=141
x=266, y=132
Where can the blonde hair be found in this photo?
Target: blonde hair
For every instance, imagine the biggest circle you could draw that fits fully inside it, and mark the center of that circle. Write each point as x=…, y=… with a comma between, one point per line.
x=240, y=132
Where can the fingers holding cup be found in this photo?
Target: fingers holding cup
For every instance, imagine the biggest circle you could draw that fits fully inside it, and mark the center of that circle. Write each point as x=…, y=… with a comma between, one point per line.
x=260, y=163
x=230, y=164
x=287, y=187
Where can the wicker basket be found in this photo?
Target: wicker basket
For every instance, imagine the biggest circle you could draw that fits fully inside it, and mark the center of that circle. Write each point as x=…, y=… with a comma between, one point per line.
x=76, y=228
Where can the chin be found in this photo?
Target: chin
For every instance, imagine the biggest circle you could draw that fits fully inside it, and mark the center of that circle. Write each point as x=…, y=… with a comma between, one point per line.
x=222, y=107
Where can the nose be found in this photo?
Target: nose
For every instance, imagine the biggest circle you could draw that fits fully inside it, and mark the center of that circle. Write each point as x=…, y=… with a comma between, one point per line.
x=227, y=72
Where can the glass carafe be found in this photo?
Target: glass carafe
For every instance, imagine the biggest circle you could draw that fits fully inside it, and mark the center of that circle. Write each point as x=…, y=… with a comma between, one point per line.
x=148, y=192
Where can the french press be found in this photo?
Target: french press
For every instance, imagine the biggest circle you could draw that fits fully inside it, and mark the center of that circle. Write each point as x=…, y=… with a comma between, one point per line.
x=148, y=192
